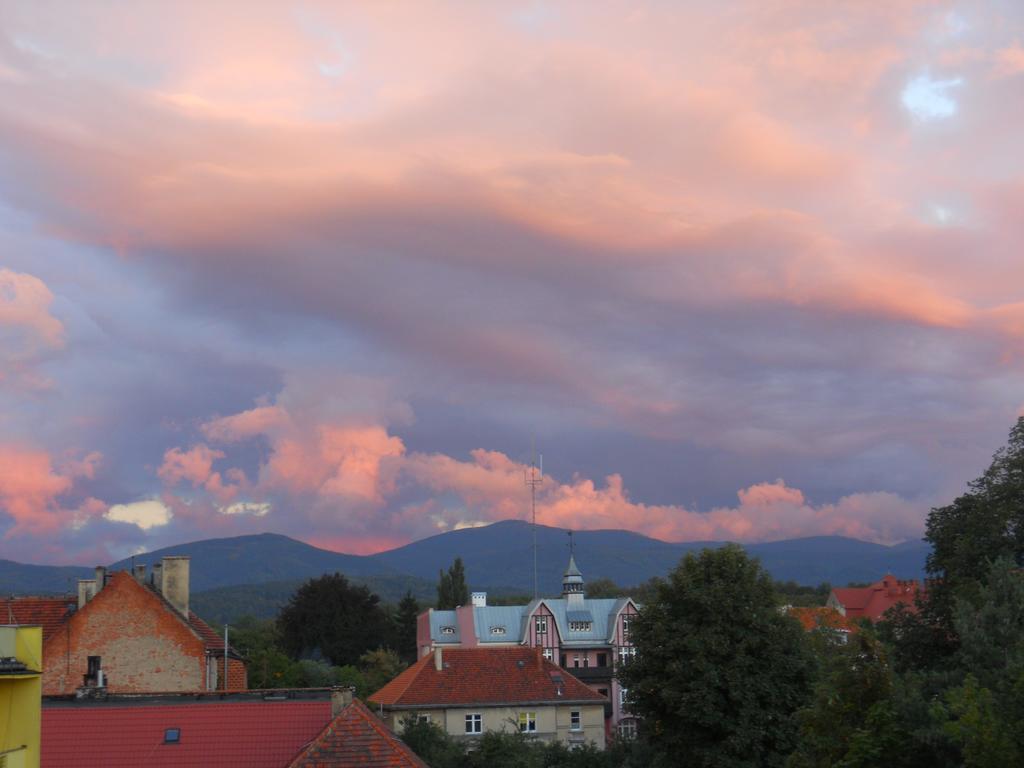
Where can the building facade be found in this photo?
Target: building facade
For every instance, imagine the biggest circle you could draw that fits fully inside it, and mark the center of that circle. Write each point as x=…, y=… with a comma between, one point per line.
x=470, y=691
x=132, y=634
x=588, y=637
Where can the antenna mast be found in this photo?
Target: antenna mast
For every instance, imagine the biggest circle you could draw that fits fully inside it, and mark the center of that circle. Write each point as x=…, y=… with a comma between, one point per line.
x=533, y=479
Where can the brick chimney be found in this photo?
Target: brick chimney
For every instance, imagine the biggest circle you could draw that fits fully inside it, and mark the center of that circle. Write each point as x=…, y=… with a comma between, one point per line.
x=174, y=582
x=140, y=573
x=158, y=577
x=101, y=577
x=86, y=591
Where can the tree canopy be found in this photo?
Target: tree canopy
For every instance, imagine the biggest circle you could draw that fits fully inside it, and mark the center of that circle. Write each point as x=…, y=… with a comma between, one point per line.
x=451, y=587
x=332, y=618
x=719, y=670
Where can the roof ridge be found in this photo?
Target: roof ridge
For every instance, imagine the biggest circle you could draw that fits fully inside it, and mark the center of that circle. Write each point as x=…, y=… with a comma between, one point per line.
x=375, y=722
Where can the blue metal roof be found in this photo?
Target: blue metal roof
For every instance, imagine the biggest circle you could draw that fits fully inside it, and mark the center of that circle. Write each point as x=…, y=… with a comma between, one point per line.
x=439, y=619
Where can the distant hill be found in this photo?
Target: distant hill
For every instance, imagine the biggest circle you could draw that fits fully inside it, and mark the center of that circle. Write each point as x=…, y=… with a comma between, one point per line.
x=498, y=558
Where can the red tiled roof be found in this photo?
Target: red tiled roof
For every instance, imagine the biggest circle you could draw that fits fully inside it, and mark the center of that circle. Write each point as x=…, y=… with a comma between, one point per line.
x=357, y=737
x=873, y=601
x=214, y=642
x=820, y=617
x=262, y=734
x=494, y=676
x=48, y=612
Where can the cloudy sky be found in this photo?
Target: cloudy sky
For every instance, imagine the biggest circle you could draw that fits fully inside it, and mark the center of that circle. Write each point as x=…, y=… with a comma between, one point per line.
x=744, y=271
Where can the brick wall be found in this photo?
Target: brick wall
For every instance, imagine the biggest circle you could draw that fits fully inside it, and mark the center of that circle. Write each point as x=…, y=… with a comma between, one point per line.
x=237, y=676
x=143, y=643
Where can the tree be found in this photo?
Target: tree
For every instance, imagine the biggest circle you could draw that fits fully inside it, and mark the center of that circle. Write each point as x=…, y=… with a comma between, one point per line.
x=405, y=627
x=719, y=671
x=332, y=618
x=451, y=587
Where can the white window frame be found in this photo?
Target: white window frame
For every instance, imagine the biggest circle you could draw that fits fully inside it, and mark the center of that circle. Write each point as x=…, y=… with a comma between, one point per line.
x=474, y=723
x=540, y=624
x=527, y=722
x=626, y=653
x=575, y=720
x=627, y=729
x=549, y=654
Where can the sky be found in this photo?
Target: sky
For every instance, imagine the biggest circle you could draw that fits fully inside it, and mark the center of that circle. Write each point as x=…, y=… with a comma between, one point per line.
x=745, y=271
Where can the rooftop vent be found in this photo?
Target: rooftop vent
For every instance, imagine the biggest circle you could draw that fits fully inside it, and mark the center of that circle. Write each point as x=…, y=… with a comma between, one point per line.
x=172, y=736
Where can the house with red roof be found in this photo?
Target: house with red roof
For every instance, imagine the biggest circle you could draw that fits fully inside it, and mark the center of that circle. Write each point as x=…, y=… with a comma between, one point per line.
x=588, y=637
x=127, y=633
x=824, y=619
x=254, y=729
x=873, y=601
x=468, y=691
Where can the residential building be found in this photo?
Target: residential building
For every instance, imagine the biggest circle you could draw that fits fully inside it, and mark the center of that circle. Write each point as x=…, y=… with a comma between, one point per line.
x=588, y=637
x=130, y=634
x=240, y=729
x=21, y=652
x=824, y=619
x=469, y=691
x=873, y=601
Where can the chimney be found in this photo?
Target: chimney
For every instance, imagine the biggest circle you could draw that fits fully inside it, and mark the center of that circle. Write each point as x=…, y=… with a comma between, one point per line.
x=174, y=585
x=140, y=573
x=341, y=697
x=158, y=577
x=438, y=661
x=86, y=591
x=479, y=599
x=101, y=577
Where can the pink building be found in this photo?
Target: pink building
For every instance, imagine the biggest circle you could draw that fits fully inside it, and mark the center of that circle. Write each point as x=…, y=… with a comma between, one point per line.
x=588, y=637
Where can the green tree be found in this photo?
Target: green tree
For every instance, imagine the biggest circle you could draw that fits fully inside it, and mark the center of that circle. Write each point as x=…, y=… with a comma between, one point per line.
x=332, y=618
x=719, y=671
x=405, y=627
x=451, y=587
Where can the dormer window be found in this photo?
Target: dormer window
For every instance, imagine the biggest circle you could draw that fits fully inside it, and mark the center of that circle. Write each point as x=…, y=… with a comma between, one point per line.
x=498, y=630
x=580, y=626
x=541, y=624
x=447, y=629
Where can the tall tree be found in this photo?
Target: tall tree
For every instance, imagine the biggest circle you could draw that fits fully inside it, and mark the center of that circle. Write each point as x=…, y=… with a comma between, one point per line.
x=405, y=627
x=332, y=618
x=719, y=671
x=451, y=587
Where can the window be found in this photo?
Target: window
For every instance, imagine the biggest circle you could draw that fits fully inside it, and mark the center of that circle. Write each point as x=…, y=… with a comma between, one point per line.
x=172, y=736
x=626, y=621
x=540, y=623
x=549, y=654
x=623, y=695
x=574, y=721
x=627, y=730
x=474, y=724
x=528, y=722
x=576, y=660
x=602, y=659
x=447, y=630
x=422, y=718
x=580, y=626
x=626, y=653
x=562, y=661
x=498, y=630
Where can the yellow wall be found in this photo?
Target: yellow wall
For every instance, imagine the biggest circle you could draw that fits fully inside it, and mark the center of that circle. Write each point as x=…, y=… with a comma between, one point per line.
x=21, y=698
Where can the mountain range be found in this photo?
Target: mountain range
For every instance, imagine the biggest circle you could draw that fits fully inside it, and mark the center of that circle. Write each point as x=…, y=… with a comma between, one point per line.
x=498, y=558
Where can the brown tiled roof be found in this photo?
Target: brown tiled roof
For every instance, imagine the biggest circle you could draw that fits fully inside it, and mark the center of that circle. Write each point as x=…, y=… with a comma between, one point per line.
x=48, y=612
x=822, y=618
x=214, y=642
x=356, y=737
x=485, y=676
x=873, y=601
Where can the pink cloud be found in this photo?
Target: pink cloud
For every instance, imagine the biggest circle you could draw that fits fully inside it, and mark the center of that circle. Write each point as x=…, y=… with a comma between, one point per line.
x=28, y=331
x=31, y=491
